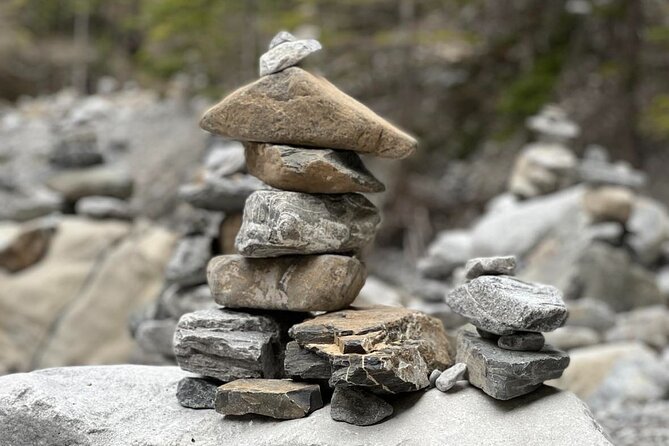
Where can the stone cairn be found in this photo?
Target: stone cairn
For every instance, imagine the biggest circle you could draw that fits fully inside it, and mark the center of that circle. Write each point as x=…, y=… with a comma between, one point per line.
x=262, y=352
x=508, y=357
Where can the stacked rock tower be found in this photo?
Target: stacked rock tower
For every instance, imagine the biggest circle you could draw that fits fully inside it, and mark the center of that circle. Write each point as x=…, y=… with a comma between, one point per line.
x=508, y=357
x=298, y=252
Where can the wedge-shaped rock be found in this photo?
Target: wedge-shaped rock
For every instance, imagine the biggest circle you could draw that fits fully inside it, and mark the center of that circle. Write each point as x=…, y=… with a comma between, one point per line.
x=315, y=171
x=505, y=374
x=305, y=364
x=277, y=223
x=197, y=392
x=385, y=349
x=297, y=108
x=287, y=54
x=228, y=345
x=490, y=266
x=295, y=283
x=503, y=304
x=277, y=398
x=359, y=407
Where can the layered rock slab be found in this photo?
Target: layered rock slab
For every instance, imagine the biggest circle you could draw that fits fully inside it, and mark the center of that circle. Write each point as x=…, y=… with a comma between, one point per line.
x=505, y=374
x=108, y=405
x=527, y=306
x=277, y=223
x=228, y=345
x=297, y=108
x=295, y=283
x=277, y=398
x=315, y=171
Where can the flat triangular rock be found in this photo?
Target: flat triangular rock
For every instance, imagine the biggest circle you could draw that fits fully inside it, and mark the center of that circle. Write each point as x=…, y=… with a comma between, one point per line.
x=298, y=108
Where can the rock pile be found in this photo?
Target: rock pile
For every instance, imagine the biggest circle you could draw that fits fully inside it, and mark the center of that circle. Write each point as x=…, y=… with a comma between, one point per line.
x=508, y=357
x=299, y=248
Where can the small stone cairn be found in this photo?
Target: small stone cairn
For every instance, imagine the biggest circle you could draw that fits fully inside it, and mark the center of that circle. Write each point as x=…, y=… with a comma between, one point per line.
x=262, y=352
x=508, y=357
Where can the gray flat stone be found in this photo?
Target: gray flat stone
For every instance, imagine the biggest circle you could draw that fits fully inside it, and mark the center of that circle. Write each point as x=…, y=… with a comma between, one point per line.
x=107, y=180
x=88, y=406
x=221, y=194
x=104, y=207
x=305, y=224
x=503, y=304
x=522, y=341
x=504, y=374
x=450, y=376
x=358, y=407
x=286, y=53
x=311, y=170
x=197, y=392
x=490, y=266
x=228, y=345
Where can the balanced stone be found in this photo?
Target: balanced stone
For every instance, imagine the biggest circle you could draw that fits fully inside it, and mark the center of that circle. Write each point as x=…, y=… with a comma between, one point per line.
x=295, y=283
x=385, y=349
x=522, y=341
x=226, y=194
x=305, y=364
x=104, y=207
x=505, y=374
x=311, y=170
x=286, y=54
x=297, y=108
x=609, y=203
x=111, y=181
x=197, y=392
x=228, y=345
x=283, y=223
x=490, y=266
x=357, y=406
x=503, y=304
x=276, y=398
x=450, y=376
x=281, y=37
x=188, y=265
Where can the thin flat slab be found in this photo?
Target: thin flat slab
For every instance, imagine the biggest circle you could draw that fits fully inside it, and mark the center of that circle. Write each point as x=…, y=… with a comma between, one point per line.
x=297, y=108
x=311, y=170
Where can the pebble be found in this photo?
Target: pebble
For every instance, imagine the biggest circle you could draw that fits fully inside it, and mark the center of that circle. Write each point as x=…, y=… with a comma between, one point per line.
x=286, y=53
x=489, y=266
x=450, y=376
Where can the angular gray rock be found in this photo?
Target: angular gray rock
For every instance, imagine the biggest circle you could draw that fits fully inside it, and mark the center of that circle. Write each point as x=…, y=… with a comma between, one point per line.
x=305, y=364
x=311, y=170
x=225, y=158
x=197, y=392
x=188, y=265
x=221, y=194
x=358, y=406
x=156, y=336
x=104, y=207
x=522, y=341
x=490, y=266
x=277, y=398
x=294, y=283
x=286, y=53
x=228, y=345
x=281, y=37
x=305, y=224
x=503, y=304
x=505, y=374
x=450, y=376
x=108, y=405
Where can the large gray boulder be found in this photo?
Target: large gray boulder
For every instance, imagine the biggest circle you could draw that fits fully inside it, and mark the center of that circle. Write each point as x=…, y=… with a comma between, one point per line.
x=125, y=404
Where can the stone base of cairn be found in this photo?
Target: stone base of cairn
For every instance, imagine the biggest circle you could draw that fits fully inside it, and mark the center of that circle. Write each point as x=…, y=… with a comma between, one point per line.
x=262, y=352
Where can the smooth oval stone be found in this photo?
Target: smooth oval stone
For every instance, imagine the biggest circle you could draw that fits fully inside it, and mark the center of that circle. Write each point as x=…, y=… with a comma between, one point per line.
x=357, y=406
x=287, y=54
x=503, y=305
x=295, y=283
x=278, y=223
x=315, y=171
x=450, y=376
x=434, y=375
x=522, y=341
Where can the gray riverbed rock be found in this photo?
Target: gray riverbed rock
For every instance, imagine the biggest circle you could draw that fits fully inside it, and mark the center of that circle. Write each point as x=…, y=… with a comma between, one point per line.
x=197, y=392
x=358, y=406
x=226, y=194
x=286, y=53
x=490, y=266
x=522, y=341
x=305, y=224
x=503, y=304
x=450, y=376
x=104, y=207
x=88, y=406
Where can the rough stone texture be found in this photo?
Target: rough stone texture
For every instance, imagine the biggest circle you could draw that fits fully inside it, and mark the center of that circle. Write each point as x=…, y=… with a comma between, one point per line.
x=504, y=374
x=297, y=108
x=490, y=266
x=449, y=250
x=73, y=306
x=522, y=341
x=221, y=194
x=188, y=265
x=649, y=325
x=277, y=398
x=25, y=246
x=305, y=364
x=286, y=54
x=384, y=349
x=228, y=345
x=294, y=283
x=638, y=424
x=609, y=203
x=357, y=406
x=450, y=376
x=156, y=336
x=503, y=304
x=106, y=180
x=104, y=207
x=311, y=170
x=197, y=392
x=571, y=337
x=305, y=224
x=542, y=168
x=88, y=406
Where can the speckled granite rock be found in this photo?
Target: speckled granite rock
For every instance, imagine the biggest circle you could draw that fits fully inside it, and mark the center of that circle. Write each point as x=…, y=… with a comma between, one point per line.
x=197, y=392
x=286, y=53
x=490, y=266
